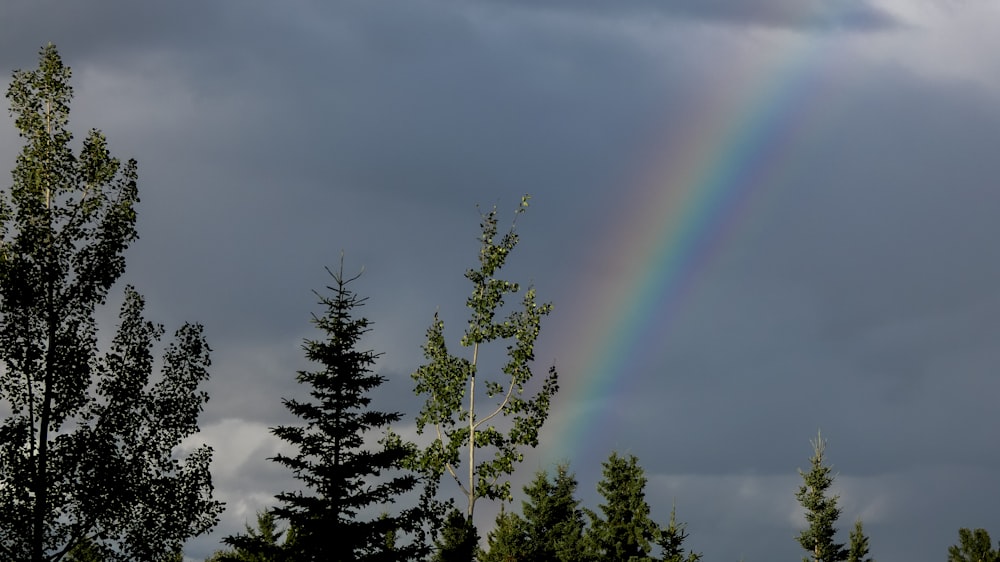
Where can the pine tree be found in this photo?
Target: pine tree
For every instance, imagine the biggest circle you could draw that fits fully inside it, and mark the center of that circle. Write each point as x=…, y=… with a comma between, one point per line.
x=342, y=476
x=973, y=546
x=623, y=532
x=858, y=550
x=821, y=510
x=454, y=386
x=89, y=452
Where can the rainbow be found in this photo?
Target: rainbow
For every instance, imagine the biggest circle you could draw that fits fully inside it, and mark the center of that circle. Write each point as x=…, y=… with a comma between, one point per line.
x=672, y=222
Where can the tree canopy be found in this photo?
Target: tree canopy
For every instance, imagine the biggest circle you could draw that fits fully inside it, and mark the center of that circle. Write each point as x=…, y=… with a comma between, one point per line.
x=89, y=458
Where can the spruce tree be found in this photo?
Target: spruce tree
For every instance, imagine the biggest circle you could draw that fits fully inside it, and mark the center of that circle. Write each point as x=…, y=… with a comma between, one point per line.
x=671, y=539
x=458, y=540
x=553, y=520
x=858, y=550
x=343, y=478
x=973, y=546
x=821, y=509
x=508, y=541
x=89, y=453
x=623, y=532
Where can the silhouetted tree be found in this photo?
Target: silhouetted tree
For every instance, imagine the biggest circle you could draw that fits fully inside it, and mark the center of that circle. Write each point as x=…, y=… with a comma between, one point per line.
x=342, y=476
x=89, y=454
x=458, y=540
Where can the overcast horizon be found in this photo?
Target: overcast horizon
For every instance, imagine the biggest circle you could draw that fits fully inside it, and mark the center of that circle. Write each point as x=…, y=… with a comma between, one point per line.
x=755, y=220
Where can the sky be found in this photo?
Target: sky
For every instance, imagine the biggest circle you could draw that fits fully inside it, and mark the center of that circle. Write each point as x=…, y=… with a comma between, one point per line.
x=756, y=220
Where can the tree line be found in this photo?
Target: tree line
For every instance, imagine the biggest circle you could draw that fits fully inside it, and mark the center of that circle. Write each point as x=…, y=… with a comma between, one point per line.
x=90, y=468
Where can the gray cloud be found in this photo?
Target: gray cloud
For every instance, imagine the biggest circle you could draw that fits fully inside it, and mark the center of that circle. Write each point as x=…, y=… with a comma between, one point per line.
x=852, y=15
x=855, y=292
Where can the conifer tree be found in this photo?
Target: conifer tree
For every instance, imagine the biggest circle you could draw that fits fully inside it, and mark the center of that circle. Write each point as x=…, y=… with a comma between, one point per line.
x=89, y=459
x=858, y=550
x=270, y=543
x=343, y=478
x=508, y=541
x=458, y=540
x=671, y=539
x=973, y=546
x=552, y=517
x=470, y=408
x=623, y=532
x=821, y=510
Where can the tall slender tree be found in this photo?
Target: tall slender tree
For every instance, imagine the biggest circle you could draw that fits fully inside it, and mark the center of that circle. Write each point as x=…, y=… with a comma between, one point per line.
x=818, y=539
x=623, y=531
x=454, y=386
x=89, y=453
x=343, y=477
x=858, y=549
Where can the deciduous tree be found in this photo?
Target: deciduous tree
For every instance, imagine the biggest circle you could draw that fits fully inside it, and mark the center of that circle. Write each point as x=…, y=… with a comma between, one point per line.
x=89, y=453
x=455, y=386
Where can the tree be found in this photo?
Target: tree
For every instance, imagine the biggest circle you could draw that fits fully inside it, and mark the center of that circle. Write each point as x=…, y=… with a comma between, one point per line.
x=452, y=384
x=553, y=518
x=88, y=454
x=671, y=539
x=858, y=549
x=508, y=541
x=342, y=475
x=267, y=542
x=624, y=531
x=821, y=510
x=458, y=539
x=973, y=546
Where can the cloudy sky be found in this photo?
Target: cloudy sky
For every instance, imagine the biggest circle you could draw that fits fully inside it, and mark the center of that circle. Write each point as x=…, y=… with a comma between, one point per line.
x=755, y=219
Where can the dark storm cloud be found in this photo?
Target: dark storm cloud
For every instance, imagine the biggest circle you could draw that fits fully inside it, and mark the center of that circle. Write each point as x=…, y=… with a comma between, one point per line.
x=857, y=294
x=859, y=15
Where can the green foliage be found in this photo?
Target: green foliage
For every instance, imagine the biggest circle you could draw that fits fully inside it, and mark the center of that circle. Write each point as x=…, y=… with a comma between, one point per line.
x=453, y=384
x=821, y=510
x=973, y=546
x=458, y=540
x=343, y=477
x=671, y=539
x=553, y=518
x=88, y=454
x=858, y=549
x=623, y=531
x=508, y=541
x=551, y=528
